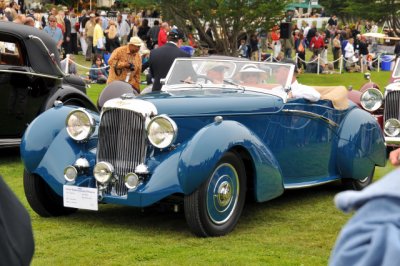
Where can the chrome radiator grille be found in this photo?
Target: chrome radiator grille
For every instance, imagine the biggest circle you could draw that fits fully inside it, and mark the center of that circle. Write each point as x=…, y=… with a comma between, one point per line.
x=392, y=105
x=122, y=142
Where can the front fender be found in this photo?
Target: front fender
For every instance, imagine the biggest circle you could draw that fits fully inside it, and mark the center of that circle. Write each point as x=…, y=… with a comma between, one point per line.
x=368, y=85
x=41, y=134
x=205, y=149
x=361, y=145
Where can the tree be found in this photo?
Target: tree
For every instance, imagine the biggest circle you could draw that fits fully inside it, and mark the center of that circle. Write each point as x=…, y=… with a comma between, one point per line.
x=382, y=10
x=227, y=19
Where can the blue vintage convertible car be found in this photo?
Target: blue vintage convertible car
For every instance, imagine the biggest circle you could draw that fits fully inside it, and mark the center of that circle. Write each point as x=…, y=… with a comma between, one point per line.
x=219, y=130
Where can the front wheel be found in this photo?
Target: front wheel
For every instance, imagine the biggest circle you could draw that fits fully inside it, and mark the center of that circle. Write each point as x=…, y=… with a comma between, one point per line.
x=215, y=207
x=358, y=184
x=42, y=199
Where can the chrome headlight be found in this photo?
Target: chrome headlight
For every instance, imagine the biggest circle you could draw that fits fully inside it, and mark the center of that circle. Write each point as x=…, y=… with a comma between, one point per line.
x=371, y=99
x=80, y=125
x=103, y=172
x=70, y=173
x=161, y=131
x=132, y=180
x=392, y=127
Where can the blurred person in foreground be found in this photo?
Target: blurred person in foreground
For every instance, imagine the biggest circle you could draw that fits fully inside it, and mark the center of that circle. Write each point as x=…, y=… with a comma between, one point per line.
x=16, y=239
x=372, y=235
x=126, y=63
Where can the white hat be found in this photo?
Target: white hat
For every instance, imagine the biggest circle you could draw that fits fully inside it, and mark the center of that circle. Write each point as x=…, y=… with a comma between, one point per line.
x=103, y=13
x=251, y=68
x=135, y=41
x=92, y=15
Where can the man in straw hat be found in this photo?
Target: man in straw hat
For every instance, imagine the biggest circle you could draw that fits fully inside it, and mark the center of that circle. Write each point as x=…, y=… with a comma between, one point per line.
x=126, y=64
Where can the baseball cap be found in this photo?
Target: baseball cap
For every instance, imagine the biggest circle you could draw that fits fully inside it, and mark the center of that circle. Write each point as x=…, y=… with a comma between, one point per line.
x=176, y=34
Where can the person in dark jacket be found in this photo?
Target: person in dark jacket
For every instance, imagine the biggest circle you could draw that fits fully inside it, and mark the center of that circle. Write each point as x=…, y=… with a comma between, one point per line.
x=16, y=238
x=162, y=58
x=67, y=33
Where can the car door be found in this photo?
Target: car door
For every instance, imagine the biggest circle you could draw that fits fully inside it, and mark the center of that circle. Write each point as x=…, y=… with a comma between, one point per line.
x=22, y=92
x=301, y=138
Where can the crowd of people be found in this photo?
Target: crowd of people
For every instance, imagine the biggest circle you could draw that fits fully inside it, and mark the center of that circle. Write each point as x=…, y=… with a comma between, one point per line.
x=342, y=39
x=93, y=33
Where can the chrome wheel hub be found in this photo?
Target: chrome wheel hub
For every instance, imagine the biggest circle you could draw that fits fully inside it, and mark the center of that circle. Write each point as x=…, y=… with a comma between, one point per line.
x=224, y=195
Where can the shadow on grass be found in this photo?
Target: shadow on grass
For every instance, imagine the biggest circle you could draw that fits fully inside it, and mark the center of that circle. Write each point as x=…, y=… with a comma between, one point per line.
x=166, y=222
x=9, y=153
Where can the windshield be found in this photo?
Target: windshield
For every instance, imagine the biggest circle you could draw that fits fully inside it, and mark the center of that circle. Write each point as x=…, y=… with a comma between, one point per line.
x=210, y=73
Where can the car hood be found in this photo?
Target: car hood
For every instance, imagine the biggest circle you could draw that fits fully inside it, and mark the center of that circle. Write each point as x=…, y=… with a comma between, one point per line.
x=213, y=102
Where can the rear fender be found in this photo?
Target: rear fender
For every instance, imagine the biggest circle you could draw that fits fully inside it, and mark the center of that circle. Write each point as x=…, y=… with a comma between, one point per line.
x=206, y=148
x=69, y=96
x=361, y=145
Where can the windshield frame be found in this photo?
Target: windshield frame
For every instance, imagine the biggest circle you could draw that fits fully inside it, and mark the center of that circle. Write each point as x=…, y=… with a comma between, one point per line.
x=199, y=66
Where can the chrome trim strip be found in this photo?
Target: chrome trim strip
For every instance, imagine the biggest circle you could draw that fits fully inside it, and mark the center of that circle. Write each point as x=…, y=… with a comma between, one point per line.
x=8, y=143
x=312, y=115
x=139, y=106
x=392, y=140
x=30, y=73
x=296, y=186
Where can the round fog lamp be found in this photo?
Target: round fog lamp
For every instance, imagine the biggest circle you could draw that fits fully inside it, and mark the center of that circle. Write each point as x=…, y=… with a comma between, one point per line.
x=80, y=125
x=161, y=131
x=392, y=127
x=103, y=172
x=371, y=99
x=131, y=180
x=70, y=173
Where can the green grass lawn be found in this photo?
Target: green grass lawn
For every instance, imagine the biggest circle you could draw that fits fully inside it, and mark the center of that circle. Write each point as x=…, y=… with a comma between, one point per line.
x=298, y=228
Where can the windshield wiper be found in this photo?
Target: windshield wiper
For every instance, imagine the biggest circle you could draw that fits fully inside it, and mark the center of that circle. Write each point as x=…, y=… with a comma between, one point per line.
x=192, y=82
x=234, y=84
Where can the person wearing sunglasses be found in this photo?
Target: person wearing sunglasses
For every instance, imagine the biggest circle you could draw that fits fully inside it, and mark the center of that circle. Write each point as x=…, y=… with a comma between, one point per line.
x=54, y=31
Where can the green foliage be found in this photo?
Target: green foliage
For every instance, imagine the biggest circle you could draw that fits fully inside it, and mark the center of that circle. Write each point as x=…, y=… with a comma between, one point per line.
x=227, y=18
x=385, y=10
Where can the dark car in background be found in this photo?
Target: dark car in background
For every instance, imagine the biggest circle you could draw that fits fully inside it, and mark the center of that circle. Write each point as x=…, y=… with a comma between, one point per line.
x=31, y=80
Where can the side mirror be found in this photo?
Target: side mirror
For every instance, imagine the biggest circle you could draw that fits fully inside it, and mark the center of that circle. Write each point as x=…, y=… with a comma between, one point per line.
x=367, y=76
x=350, y=88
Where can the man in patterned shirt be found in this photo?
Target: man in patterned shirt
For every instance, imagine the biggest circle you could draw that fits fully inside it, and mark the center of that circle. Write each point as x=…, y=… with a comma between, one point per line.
x=126, y=64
